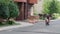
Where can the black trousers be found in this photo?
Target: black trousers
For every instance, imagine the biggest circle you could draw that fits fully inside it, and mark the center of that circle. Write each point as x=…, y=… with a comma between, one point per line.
x=47, y=21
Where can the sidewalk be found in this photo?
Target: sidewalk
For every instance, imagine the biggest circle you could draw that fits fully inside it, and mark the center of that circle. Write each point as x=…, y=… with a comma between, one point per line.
x=22, y=24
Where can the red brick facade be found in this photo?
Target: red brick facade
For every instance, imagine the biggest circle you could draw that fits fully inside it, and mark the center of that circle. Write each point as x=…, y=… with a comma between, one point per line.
x=20, y=0
x=32, y=1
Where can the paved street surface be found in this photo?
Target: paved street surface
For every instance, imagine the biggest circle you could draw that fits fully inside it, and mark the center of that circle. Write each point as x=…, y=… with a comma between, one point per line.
x=38, y=28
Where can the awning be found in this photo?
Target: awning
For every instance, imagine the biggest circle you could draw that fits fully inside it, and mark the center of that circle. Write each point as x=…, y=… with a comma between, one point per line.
x=20, y=0
x=32, y=1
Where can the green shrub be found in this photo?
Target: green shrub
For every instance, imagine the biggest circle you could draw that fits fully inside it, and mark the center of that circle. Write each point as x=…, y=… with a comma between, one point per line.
x=10, y=22
x=8, y=10
x=1, y=23
x=13, y=10
x=4, y=11
x=55, y=16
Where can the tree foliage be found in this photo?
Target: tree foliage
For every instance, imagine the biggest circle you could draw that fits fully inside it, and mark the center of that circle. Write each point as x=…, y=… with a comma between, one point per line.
x=53, y=7
x=8, y=9
x=50, y=7
x=13, y=10
x=4, y=11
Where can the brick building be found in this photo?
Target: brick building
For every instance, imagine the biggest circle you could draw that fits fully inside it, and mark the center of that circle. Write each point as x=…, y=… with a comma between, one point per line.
x=25, y=8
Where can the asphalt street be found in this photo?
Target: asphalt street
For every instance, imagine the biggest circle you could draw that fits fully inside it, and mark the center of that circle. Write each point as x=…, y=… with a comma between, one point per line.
x=37, y=28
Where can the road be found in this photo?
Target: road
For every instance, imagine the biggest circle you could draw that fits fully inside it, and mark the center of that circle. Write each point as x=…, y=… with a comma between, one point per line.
x=38, y=28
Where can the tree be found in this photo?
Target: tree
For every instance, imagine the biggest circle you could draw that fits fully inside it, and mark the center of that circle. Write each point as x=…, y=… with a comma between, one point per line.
x=4, y=11
x=8, y=9
x=53, y=7
x=13, y=10
x=50, y=7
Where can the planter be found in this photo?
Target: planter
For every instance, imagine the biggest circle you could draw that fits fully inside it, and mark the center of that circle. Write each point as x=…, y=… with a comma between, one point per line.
x=33, y=19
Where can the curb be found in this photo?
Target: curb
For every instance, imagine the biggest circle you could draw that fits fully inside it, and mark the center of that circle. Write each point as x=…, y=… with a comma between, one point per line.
x=50, y=20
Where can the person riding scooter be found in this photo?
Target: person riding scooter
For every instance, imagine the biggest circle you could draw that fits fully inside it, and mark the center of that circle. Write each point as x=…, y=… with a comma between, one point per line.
x=47, y=19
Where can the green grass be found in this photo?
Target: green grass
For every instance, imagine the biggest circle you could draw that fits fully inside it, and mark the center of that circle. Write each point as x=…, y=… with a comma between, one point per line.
x=8, y=23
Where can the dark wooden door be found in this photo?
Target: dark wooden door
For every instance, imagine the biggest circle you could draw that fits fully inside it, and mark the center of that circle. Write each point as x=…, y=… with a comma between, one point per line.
x=24, y=10
x=21, y=11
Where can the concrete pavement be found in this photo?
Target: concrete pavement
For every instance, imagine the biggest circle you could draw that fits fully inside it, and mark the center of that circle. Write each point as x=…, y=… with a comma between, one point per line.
x=20, y=24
